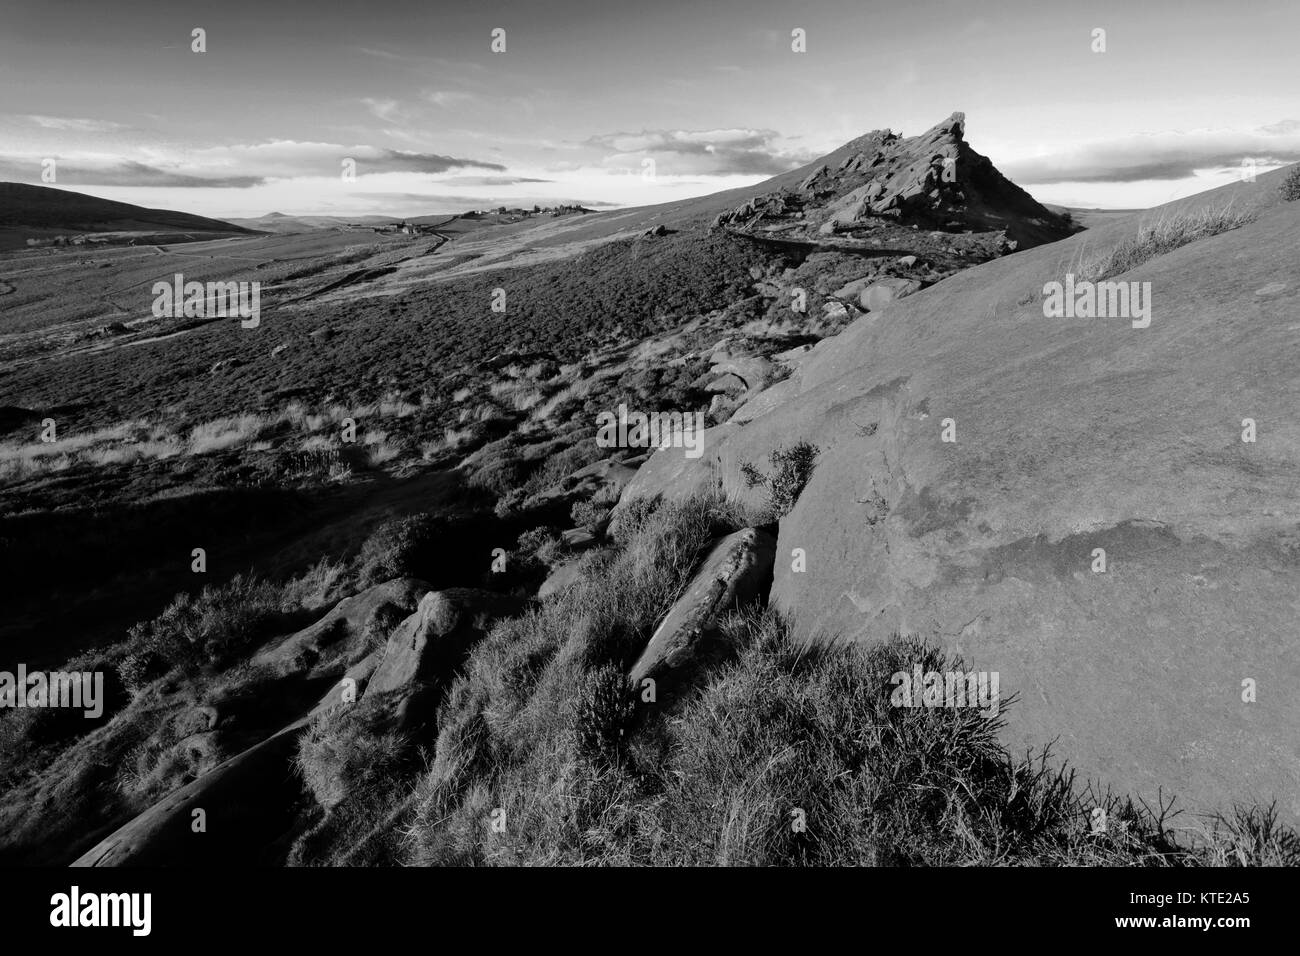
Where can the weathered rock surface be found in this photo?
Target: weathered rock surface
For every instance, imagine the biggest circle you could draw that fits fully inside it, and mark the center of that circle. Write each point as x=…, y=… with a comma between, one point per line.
x=562, y=577
x=734, y=573
x=248, y=803
x=427, y=647
x=881, y=293
x=670, y=472
x=932, y=181
x=321, y=649
x=1072, y=436
x=603, y=479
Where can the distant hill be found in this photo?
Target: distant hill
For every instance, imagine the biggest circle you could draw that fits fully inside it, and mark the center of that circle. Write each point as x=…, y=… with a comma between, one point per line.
x=281, y=223
x=41, y=211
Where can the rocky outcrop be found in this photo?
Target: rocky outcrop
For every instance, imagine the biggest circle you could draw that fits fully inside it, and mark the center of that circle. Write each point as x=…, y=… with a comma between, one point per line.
x=234, y=813
x=603, y=480
x=736, y=572
x=425, y=650
x=933, y=181
x=1096, y=530
x=328, y=646
x=250, y=801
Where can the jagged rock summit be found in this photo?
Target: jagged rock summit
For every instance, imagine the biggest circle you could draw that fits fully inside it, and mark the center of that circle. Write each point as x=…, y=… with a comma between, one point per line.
x=880, y=183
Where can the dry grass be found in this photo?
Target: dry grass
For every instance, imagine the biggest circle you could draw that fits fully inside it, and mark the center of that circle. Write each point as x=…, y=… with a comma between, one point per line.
x=1164, y=235
x=140, y=440
x=782, y=755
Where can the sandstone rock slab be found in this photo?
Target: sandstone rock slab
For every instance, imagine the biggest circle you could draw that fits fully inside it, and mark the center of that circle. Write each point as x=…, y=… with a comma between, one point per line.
x=735, y=572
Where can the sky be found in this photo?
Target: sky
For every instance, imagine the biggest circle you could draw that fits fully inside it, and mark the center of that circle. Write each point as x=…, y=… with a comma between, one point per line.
x=608, y=102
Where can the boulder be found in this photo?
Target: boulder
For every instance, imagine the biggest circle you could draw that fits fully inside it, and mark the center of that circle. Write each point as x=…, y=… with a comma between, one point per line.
x=578, y=539
x=603, y=479
x=754, y=371
x=884, y=291
x=565, y=574
x=425, y=650
x=851, y=290
x=736, y=571
x=671, y=473
x=323, y=648
x=834, y=310
x=729, y=383
x=812, y=178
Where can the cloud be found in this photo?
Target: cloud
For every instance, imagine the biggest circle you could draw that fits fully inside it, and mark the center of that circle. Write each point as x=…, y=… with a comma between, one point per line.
x=1169, y=155
x=98, y=172
x=401, y=161
x=386, y=110
x=75, y=124
x=235, y=167
x=288, y=159
x=447, y=98
x=490, y=180
x=717, y=152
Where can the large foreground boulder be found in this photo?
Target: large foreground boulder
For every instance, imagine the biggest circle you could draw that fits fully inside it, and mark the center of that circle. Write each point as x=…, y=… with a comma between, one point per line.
x=736, y=572
x=1070, y=501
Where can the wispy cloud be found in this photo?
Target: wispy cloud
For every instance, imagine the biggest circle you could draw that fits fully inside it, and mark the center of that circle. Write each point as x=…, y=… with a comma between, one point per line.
x=93, y=171
x=237, y=166
x=491, y=180
x=718, y=152
x=1168, y=155
x=75, y=124
x=386, y=110
x=447, y=98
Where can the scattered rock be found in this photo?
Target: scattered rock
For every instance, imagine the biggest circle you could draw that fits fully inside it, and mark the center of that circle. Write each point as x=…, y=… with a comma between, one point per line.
x=565, y=574
x=578, y=539
x=323, y=648
x=884, y=291
x=729, y=383
x=737, y=571
x=426, y=648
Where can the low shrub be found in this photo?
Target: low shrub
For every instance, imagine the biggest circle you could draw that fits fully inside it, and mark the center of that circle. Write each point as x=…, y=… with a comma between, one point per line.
x=401, y=547
x=603, y=714
x=1157, y=238
x=213, y=629
x=791, y=469
x=1290, y=187
x=349, y=753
